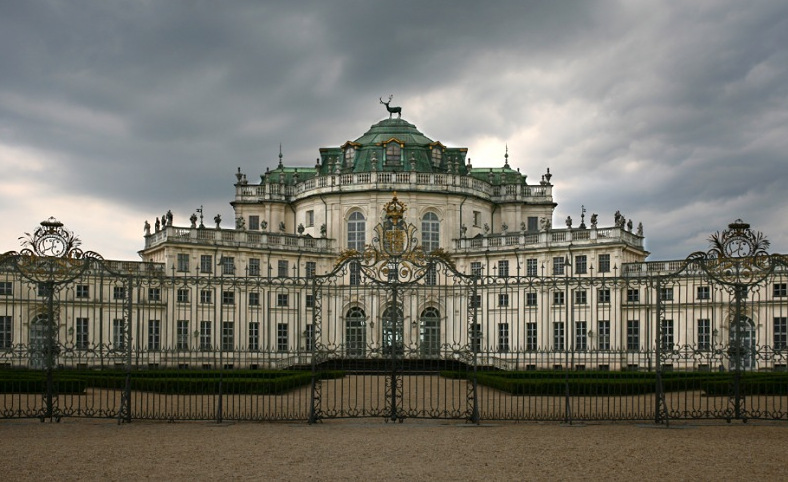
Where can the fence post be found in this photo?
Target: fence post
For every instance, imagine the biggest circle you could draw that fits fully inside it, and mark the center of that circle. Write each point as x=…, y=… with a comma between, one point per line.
x=124, y=414
x=313, y=345
x=49, y=352
x=475, y=341
x=660, y=405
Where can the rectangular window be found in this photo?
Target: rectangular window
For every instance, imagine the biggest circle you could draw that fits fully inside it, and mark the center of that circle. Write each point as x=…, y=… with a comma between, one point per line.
x=205, y=335
x=530, y=298
x=355, y=273
x=42, y=289
x=603, y=335
x=254, y=267
x=503, y=268
x=6, y=332
x=309, y=300
x=503, y=299
x=531, y=267
x=310, y=218
x=228, y=335
x=780, y=332
x=477, y=219
x=604, y=263
x=311, y=269
x=704, y=334
x=780, y=290
x=503, y=337
x=254, y=336
x=154, y=294
x=182, y=335
x=603, y=295
x=309, y=337
x=530, y=336
x=228, y=297
x=533, y=224
x=581, y=297
x=666, y=294
x=703, y=293
x=206, y=263
x=117, y=334
x=476, y=301
x=83, y=291
x=254, y=298
x=476, y=337
x=228, y=265
x=633, y=295
x=558, y=335
x=558, y=265
x=206, y=297
x=183, y=295
x=183, y=263
x=581, y=264
x=667, y=334
x=581, y=336
x=476, y=268
x=281, y=268
x=254, y=223
x=6, y=288
x=282, y=300
x=118, y=293
x=81, y=334
x=431, y=276
x=154, y=335
x=633, y=335
x=281, y=337
x=558, y=297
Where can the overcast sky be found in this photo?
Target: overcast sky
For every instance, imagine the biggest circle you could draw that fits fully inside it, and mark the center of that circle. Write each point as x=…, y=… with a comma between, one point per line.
x=674, y=113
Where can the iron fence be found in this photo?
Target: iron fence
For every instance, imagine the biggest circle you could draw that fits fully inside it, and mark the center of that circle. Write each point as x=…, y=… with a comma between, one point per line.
x=90, y=338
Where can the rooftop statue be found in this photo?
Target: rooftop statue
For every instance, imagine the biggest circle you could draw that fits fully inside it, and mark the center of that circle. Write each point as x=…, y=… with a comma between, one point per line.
x=392, y=110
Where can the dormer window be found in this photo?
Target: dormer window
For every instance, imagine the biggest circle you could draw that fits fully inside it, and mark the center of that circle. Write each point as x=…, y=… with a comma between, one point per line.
x=436, y=156
x=350, y=154
x=393, y=153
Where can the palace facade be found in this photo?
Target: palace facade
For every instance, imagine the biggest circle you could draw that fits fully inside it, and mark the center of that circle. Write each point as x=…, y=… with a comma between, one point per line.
x=495, y=279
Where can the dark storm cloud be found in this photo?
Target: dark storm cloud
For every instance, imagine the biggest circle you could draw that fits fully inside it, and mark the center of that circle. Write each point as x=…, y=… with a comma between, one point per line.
x=672, y=112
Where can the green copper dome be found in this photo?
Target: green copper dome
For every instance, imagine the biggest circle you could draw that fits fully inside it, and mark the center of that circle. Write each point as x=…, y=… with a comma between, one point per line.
x=400, y=129
x=392, y=145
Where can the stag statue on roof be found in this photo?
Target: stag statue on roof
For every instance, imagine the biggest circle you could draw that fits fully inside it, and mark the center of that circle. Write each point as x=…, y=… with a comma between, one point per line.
x=392, y=110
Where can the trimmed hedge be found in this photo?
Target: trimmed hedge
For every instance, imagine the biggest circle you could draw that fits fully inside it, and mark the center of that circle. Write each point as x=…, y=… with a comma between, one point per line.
x=163, y=381
x=594, y=383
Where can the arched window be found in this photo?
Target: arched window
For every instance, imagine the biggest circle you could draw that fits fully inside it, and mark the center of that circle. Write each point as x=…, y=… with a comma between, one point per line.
x=356, y=231
x=430, y=232
x=393, y=153
x=430, y=333
x=393, y=320
x=355, y=332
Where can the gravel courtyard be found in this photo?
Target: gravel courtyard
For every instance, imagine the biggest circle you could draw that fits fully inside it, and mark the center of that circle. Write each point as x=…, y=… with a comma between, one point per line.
x=373, y=450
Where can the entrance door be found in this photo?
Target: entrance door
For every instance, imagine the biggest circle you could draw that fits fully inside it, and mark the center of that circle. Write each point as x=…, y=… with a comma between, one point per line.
x=38, y=341
x=745, y=347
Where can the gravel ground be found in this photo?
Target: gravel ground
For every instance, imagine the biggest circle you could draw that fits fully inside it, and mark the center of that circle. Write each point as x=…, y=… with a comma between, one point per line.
x=78, y=449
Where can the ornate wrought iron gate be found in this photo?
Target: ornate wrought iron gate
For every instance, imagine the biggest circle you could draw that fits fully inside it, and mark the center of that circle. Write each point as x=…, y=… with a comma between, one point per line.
x=400, y=322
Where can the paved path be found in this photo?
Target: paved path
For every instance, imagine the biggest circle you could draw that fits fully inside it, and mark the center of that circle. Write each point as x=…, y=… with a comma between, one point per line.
x=373, y=450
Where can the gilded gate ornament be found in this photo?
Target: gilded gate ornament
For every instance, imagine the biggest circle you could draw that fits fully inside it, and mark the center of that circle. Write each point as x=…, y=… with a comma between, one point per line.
x=51, y=253
x=738, y=255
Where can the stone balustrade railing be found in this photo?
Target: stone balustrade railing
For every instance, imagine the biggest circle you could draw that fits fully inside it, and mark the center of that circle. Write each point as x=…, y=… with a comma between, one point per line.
x=239, y=238
x=424, y=182
x=557, y=237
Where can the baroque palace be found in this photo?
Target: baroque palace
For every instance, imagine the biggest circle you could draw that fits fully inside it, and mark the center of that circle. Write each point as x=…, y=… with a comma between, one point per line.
x=479, y=270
